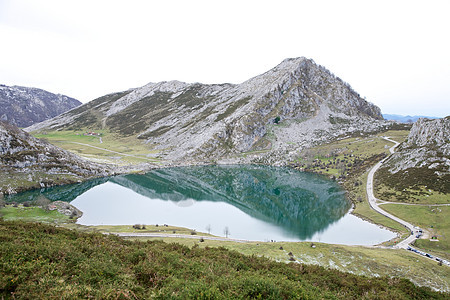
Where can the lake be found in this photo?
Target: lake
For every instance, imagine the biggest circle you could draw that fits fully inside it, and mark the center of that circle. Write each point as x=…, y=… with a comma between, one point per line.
x=259, y=203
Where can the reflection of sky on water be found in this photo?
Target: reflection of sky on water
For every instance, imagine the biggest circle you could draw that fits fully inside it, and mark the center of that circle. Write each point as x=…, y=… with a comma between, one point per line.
x=113, y=204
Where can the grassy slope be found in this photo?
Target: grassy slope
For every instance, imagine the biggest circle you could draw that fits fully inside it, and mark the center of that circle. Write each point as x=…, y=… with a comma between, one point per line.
x=421, y=196
x=367, y=261
x=434, y=219
x=361, y=153
x=359, y=260
x=42, y=261
x=422, y=216
x=126, y=145
x=34, y=214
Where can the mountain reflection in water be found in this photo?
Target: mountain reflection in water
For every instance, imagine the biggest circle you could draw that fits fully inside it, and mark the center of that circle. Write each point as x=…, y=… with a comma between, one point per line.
x=300, y=205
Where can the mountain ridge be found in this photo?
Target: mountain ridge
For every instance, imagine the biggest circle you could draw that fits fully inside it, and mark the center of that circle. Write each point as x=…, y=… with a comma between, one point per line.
x=405, y=119
x=297, y=101
x=24, y=106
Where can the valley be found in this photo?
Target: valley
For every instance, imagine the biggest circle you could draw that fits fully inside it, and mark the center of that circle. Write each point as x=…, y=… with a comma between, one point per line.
x=297, y=115
x=357, y=154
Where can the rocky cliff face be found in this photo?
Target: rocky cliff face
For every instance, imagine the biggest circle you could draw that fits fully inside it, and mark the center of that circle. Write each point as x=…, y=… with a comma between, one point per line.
x=428, y=145
x=424, y=158
x=294, y=105
x=27, y=162
x=24, y=106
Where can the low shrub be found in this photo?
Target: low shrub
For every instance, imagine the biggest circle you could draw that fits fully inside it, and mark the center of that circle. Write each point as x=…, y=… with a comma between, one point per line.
x=40, y=261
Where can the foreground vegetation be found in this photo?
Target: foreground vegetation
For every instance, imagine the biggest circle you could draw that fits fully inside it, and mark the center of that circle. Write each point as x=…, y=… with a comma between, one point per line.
x=43, y=261
x=33, y=214
x=358, y=260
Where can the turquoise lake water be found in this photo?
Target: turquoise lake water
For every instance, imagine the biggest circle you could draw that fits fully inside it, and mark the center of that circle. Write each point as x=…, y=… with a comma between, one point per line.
x=254, y=202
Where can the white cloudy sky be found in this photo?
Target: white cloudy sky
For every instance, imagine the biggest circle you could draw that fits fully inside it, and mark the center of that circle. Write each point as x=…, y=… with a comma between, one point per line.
x=395, y=53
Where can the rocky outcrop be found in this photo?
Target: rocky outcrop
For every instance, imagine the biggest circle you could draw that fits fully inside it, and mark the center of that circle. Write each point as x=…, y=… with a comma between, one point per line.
x=428, y=145
x=423, y=160
x=27, y=162
x=431, y=134
x=292, y=106
x=24, y=106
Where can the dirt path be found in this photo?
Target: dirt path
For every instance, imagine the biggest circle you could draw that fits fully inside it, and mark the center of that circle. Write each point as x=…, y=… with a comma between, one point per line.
x=115, y=152
x=184, y=236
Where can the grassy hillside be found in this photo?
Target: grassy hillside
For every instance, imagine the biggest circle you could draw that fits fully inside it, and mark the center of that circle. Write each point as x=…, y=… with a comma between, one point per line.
x=349, y=160
x=104, y=146
x=42, y=261
x=435, y=219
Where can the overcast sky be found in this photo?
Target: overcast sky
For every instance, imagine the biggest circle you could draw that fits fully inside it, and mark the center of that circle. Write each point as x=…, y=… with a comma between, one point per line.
x=395, y=53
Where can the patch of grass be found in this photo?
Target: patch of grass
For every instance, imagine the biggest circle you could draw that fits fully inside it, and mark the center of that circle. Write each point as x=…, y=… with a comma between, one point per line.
x=160, y=229
x=130, y=149
x=41, y=261
x=363, y=210
x=432, y=218
x=344, y=156
x=32, y=214
x=421, y=195
x=232, y=108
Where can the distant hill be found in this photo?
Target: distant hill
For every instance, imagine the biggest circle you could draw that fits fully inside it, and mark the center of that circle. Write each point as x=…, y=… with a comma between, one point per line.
x=405, y=119
x=273, y=115
x=24, y=106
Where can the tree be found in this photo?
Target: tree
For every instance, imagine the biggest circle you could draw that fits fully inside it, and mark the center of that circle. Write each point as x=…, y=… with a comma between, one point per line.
x=208, y=228
x=226, y=231
x=276, y=120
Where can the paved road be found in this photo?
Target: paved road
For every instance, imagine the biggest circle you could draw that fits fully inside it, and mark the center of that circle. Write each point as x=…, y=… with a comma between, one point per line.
x=373, y=201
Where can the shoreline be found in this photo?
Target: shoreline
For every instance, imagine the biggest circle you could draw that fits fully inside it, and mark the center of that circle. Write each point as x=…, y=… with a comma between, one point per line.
x=139, y=169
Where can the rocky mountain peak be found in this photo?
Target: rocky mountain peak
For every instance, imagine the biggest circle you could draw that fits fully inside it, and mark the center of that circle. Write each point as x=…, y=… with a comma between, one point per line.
x=293, y=105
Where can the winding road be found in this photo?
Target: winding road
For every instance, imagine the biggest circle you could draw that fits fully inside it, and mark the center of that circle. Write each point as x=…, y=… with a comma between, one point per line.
x=404, y=244
x=374, y=205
